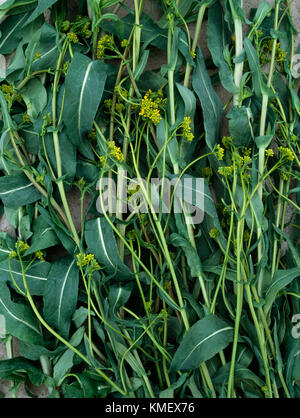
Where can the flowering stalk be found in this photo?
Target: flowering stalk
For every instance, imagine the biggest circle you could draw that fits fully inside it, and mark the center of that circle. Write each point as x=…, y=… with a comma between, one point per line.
x=238, y=69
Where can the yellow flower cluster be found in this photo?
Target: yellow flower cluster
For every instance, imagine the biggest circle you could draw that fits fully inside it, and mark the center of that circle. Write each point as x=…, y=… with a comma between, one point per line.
x=7, y=91
x=39, y=255
x=124, y=43
x=26, y=118
x=186, y=126
x=286, y=153
x=22, y=246
x=87, y=260
x=115, y=151
x=227, y=141
x=269, y=152
x=220, y=152
x=280, y=54
x=103, y=43
x=214, y=233
x=73, y=37
x=85, y=31
x=225, y=171
x=149, y=108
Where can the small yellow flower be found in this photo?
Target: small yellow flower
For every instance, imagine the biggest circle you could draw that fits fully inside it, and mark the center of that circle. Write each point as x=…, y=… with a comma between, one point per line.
x=6, y=88
x=214, y=233
x=12, y=254
x=227, y=141
x=22, y=246
x=92, y=135
x=73, y=37
x=186, y=126
x=37, y=56
x=26, y=118
x=149, y=109
x=124, y=43
x=65, y=26
x=120, y=107
x=225, y=171
x=39, y=255
x=193, y=53
x=220, y=152
x=269, y=152
x=286, y=153
x=104, y=43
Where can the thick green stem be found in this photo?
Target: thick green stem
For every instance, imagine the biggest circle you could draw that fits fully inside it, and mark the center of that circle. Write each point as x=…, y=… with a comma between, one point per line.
x=261, y=155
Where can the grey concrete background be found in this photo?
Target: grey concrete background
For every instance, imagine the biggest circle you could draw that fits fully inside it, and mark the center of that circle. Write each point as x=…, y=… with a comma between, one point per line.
x=156, y=61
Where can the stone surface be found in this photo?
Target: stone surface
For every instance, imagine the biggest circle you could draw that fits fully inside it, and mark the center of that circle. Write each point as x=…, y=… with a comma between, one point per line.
x=156, y=62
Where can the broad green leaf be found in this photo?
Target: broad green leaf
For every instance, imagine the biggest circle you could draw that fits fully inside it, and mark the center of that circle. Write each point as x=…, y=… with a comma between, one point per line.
x=259, y=85
x=19, y=369
x=63, y=365
x=216, y=38
x=10, y=33
x=43, y=5
x=189, y=100
x=47, y=48
x=119, y=295
x=100, y=240
x=210, y=102
x=19, y=319
x=61, y=293
x=67, y=155
x=7, y=244
x=262, y=11
x=204, y=340
x=35, y=97
x=240, y=126
x=34, y=352
x=8, y=123
x=84, y=84
x=43, y=236
x=282, y=278
x=191, y=254
x=17, y=190
x=36, y=275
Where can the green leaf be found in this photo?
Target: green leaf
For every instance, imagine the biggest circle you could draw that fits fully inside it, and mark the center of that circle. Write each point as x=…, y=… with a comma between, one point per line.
x=19, y=319
x=10, y=33
x=43, y=236
x=261, y=13
x=100, y=240
x=35, y=97
x=240, y=126
x=210, y=102
x=17, y=190
x=259, y=85
x=204, y=340
x=191, y=254
x=63, y=365
x=281, y=279
x=47, y=47
x=61, y=293
x=162, y=136
x=189, y=100
x=43, y=5
x=67, y=154
x=36, y=275
x=216, y=38
x=84, y=83
x=19, y=369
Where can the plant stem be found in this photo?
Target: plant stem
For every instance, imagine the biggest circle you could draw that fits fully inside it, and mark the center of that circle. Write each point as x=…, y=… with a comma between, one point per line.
x=200, y=17
x=261, y=152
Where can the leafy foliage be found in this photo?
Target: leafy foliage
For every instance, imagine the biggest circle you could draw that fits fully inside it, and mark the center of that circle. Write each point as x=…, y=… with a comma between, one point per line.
x=146, y=290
